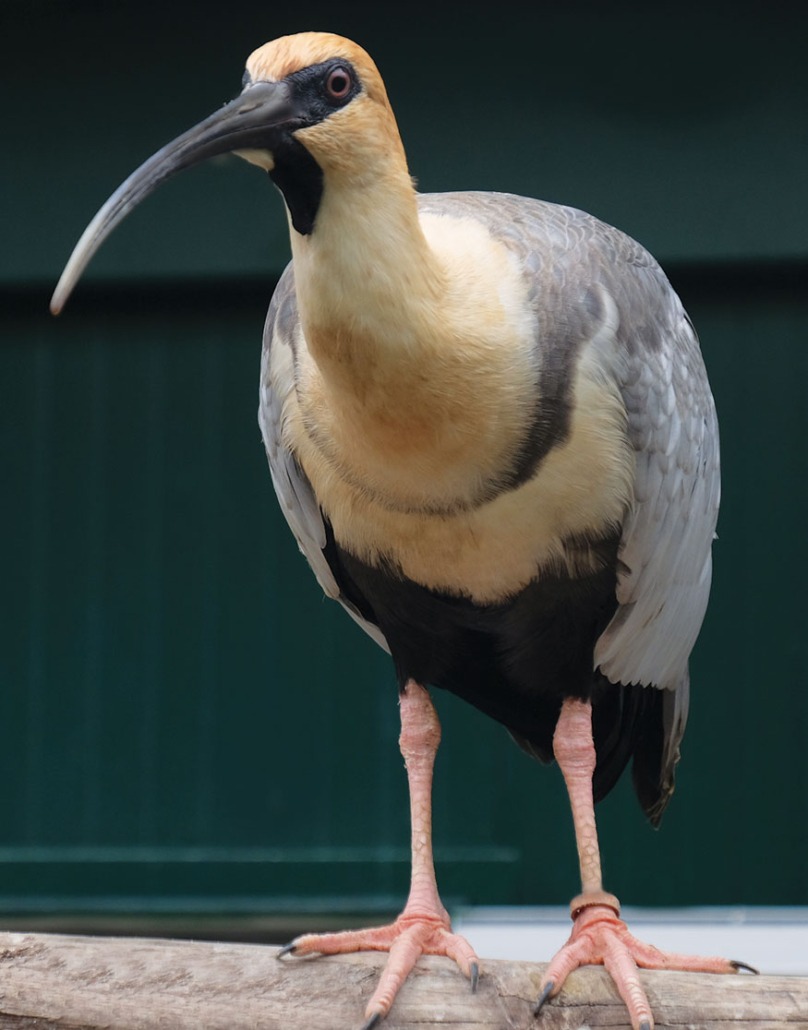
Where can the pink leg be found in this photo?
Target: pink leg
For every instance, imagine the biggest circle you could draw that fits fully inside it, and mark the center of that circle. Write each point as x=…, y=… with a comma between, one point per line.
x=599, y=936
x=423, y=928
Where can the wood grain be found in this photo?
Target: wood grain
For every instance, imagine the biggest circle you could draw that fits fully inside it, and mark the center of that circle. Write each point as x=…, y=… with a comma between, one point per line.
x=88, y=983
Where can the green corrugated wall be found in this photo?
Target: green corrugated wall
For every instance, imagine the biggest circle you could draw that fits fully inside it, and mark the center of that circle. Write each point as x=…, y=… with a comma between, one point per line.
x=186, y=725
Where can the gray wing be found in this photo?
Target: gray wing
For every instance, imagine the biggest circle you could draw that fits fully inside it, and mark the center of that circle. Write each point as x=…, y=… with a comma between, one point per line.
x=647, y=343
x=295, y=494
x=664, y=584
x=594, y=286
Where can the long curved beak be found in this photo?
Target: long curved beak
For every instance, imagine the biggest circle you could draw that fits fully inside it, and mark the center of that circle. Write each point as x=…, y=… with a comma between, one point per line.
x=252, y=121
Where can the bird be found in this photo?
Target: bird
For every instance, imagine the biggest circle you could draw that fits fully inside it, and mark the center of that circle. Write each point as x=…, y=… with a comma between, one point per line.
x=490, y=429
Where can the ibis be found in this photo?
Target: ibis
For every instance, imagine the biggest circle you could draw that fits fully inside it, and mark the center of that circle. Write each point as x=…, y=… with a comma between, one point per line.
x=490, y=429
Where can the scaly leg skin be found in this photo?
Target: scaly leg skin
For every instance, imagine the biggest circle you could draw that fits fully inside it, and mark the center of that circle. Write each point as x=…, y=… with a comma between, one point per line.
x=423, y=928
x=599, y=936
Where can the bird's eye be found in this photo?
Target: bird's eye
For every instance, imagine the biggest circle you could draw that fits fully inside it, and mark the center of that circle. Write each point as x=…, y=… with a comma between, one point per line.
x=338, y=84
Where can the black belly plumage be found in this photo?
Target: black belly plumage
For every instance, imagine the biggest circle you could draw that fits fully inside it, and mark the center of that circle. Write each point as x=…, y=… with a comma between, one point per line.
x=517, y=661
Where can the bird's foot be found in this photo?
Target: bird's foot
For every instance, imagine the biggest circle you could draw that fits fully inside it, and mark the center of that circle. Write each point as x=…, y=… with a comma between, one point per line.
x=600, y=937
x=409, y=937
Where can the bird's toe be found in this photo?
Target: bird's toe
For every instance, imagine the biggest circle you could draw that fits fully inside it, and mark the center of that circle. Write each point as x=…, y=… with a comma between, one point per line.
x=546, y=991
x=738, y=966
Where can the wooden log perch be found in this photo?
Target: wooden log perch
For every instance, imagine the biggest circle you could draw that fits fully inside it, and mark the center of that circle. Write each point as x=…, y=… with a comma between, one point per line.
x=88, y=983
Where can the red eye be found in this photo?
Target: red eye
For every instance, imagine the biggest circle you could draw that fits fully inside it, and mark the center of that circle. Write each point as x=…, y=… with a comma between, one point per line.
x=339, y=83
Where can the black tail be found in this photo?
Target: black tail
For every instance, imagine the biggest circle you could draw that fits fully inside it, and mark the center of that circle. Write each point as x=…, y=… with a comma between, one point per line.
x=626, y=722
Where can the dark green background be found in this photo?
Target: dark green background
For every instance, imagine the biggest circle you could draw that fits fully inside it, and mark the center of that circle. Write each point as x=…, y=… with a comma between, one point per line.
x=185, y=724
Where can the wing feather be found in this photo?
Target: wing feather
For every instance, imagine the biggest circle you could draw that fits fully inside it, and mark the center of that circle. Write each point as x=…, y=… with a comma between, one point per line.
x=664, y=582
x=295, y=494
x=654, y=358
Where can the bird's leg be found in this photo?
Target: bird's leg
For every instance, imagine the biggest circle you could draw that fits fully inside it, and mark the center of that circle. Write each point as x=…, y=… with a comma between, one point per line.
x=599, y=936
x=423, y=928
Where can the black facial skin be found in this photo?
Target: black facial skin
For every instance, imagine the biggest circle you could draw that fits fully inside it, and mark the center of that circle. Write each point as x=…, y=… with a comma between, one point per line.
x=296, y=173
x=300, y=179
x=310, y=88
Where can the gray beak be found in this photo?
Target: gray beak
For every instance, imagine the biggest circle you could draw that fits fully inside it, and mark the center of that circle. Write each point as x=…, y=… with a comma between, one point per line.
x=253, y=121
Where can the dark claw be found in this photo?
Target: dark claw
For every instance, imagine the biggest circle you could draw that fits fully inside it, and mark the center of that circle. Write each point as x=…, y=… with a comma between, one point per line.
x=287, y=949
x=743, y=965
x=645, y=1025
x=545, y=994
x=374, y=1020
x=475, y=976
